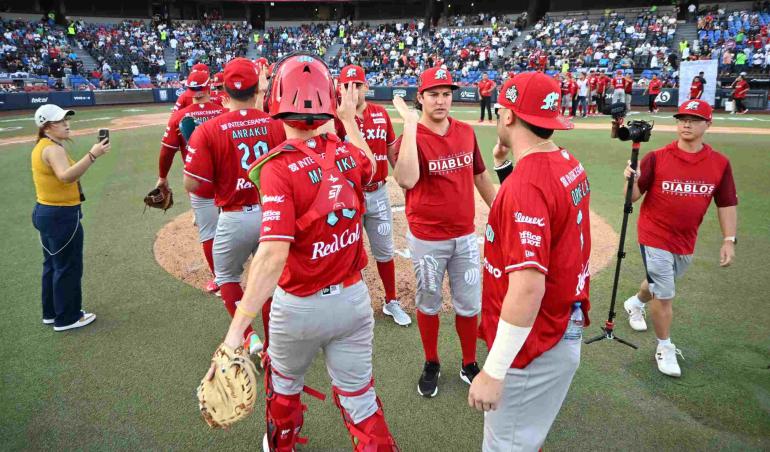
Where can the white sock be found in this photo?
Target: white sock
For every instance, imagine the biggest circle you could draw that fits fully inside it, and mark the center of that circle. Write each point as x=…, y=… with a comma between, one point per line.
x=636, y=302
x=664, y=341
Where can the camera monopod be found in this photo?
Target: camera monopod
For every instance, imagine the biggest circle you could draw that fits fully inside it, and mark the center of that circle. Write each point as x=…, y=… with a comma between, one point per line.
x=608, y=331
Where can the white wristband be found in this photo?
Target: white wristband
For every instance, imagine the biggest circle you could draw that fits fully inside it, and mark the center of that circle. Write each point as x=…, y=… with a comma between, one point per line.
x=508, y=341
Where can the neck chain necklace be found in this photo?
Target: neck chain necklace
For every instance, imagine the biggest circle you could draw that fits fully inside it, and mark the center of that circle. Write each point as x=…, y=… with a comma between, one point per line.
x=527, y=151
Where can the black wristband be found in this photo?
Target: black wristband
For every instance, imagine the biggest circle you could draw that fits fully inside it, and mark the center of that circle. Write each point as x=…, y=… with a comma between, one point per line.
x=504, y=170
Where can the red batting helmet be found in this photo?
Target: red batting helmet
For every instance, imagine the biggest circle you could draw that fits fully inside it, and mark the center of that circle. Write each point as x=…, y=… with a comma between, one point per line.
x=200, y=67
x=301, y=92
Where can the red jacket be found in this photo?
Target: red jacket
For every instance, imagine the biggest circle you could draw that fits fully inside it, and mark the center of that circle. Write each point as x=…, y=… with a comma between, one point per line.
x=741, y=89
x=486, y=87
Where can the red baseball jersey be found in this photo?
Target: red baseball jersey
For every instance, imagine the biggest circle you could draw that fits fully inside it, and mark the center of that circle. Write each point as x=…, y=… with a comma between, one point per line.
x=628, y=85
x=741, y=89
x=441, y=205
x=678, y=187
x=539, y=220
x=331, y=248
x=486, y=87
x=696, y=89
x=602, y=83
x=173, y=138
x=377, y=130
x=565, y=86
x=618, y=82
x=593, y=82
x=184, y=100
x=217, y=96
x=222, y=149
x=655, y=86
x=573, y=87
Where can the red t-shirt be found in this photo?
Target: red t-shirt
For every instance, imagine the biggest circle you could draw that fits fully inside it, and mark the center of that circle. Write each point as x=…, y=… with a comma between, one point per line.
x=222, y=149
x=377, y=130
x=593, y=82
x=330, y=249
x=441, y=205
x=184, y=100
x=741, y=89
x=654, y=87
x=539, y=220
x=628, y=86
x=486, y=87
x=679, y=186
x=618, y=82
x=573, y=87
x=696, y=89
x=565, y=87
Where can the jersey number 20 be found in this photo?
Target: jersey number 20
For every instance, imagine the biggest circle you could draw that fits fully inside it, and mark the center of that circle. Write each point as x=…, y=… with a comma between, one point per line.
x=260, y=148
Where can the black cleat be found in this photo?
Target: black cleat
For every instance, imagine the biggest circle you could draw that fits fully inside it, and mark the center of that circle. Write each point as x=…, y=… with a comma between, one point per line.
x=469, y=372
x=428, y=384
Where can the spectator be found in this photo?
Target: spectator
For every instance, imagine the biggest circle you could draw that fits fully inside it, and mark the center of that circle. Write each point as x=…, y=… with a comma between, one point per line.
x=741, y=89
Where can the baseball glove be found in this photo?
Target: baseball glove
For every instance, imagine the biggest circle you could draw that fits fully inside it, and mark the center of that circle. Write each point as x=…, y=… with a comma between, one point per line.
x=230, y=394
x=159, y=198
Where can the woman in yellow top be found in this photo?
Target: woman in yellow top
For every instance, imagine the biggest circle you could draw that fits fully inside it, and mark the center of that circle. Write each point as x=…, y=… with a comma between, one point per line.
x=57, y=217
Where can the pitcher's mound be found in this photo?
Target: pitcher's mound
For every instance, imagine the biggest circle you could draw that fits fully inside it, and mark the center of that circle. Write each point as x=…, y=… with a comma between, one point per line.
x=177, y=250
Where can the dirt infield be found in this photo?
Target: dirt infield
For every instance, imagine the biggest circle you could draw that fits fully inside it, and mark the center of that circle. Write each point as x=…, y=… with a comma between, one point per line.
x=178, y=252
x=124, y=123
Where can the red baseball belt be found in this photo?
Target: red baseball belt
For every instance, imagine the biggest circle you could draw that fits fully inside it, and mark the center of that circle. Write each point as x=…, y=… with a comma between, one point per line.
x=373, y=187
x=347, y=282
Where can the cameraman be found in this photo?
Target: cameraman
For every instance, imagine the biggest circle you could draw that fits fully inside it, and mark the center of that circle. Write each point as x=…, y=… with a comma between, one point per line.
x=678, y=182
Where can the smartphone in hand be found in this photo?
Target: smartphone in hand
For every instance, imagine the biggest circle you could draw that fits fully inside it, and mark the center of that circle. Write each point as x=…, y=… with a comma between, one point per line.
x=103, y=133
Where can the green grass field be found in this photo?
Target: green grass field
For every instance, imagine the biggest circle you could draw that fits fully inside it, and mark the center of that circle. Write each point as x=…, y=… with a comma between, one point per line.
x=128, y=381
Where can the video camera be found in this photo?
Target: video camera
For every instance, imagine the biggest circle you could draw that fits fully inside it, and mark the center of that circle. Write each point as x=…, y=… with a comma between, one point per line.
x=637, y=131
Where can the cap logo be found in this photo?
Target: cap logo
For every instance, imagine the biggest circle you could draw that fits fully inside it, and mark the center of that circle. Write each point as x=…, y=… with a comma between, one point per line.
x=512, y=94
x=692, y=105
x=351, y=72
x=551, y=102
x=440, y=75
x=237, y=85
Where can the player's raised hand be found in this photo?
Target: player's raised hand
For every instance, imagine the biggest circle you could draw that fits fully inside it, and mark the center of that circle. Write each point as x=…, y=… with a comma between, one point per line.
x=500, y=153
x=406, y=113
x=262, y=85
x=346, y=111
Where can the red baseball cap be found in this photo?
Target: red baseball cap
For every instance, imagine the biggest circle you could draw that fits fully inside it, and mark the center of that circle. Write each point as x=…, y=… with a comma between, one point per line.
x=200, y=67
x=435, y=76
x=534, y=97
x=695, y=107
x=197, y=80
x=352, y=73
x=218, y=79
x=240, y=74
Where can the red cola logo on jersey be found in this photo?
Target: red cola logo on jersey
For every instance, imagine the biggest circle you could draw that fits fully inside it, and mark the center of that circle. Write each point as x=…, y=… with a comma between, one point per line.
x=338, y=242
x=450, y=164
x=687, y=188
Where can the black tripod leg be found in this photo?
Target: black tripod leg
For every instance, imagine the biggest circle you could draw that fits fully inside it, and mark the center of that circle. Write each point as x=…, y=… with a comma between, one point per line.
x=596, y=338
x=625, y=342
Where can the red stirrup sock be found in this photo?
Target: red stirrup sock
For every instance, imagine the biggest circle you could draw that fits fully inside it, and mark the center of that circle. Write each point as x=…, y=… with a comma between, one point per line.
x=428, y=325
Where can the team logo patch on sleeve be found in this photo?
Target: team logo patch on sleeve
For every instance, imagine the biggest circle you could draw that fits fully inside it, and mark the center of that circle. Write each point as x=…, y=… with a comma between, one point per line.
x=512, y=94
x=551, y=102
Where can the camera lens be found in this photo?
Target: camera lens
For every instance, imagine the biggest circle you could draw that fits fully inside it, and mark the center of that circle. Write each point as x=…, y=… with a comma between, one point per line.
x=624, y=134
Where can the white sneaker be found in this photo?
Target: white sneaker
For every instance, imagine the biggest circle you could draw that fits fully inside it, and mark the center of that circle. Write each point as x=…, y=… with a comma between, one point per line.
x=84, y=320
x=48, y=321
x=393, y=308
x=635, y=315
x=666, y=358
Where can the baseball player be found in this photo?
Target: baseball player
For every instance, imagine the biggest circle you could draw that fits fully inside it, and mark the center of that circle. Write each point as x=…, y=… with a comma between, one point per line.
x=438, y=164
x=654, y=89
x=602, y=83
x=310, y=259
x=741, y=89
x=618, y=84
x=219, y=153
x=628, y=89
x=593, y=84
x=536, y=278
x=185, y=99
x=697, y=86
x=217, y=88
x=678, y=182
x=374, y=123
x=202, y=202
x=568, y=93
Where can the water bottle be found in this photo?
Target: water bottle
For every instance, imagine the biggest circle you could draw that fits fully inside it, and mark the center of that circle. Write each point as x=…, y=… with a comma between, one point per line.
x=575, y=325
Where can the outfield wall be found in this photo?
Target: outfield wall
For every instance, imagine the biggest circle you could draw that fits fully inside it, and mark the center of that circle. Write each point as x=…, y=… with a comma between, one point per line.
x=756, y=100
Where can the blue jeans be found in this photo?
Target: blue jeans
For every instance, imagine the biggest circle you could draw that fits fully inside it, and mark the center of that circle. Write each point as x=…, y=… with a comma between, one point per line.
x=61, y=236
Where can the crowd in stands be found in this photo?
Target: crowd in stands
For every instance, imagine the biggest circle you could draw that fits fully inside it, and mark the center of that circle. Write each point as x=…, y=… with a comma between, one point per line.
x=738, y=40
x=36, y=48
x=133, y=54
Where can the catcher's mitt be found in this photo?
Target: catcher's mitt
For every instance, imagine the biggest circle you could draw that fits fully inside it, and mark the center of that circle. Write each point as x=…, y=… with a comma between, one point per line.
x=159, y=198
x=230, y=394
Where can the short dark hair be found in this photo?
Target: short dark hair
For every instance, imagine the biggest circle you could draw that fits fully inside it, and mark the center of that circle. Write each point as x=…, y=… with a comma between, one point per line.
x=539, y=131
x=241, y=95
